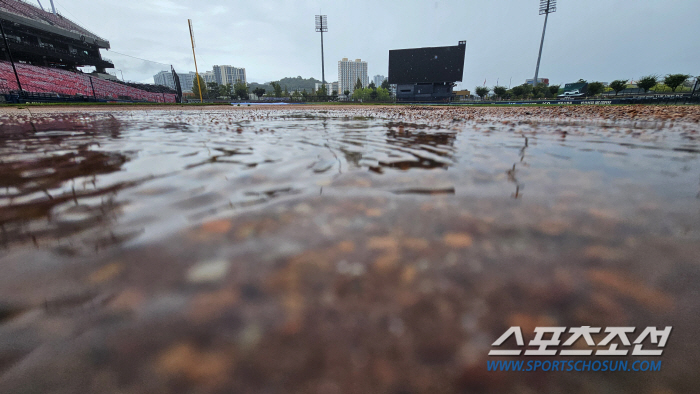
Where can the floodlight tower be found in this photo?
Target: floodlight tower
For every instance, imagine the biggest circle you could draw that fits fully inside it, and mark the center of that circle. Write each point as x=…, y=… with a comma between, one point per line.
x=546, y=7
x=321, y=27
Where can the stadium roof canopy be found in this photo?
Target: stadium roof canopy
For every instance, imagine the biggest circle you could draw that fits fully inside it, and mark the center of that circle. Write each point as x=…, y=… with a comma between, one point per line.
x=18, y=11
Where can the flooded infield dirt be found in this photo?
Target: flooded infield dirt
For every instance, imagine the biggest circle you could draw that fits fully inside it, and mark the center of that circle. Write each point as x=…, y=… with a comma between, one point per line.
x=341, y=250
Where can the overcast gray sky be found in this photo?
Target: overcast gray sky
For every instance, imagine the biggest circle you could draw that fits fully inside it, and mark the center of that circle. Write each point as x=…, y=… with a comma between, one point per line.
x=597, y=40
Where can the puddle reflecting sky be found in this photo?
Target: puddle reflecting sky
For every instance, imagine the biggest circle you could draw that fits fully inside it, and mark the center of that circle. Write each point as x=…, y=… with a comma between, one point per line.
x=149, y=174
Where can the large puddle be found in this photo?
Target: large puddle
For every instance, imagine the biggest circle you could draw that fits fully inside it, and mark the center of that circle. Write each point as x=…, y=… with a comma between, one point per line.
x=338, y=251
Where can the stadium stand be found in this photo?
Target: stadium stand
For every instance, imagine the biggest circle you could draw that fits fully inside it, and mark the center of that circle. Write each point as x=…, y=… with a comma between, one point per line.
x=150, y=87
x=37, y=79
x=28, y=11
x=48, y=50
x=43, y=38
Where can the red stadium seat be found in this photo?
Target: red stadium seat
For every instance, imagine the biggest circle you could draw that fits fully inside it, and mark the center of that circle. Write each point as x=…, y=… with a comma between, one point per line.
x=50, y=80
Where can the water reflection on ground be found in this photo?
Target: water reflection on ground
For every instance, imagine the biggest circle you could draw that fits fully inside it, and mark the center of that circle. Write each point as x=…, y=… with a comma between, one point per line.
x=337, y=250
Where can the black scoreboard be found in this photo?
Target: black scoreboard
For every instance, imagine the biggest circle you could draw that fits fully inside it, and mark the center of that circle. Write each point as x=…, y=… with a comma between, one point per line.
x=427, y=65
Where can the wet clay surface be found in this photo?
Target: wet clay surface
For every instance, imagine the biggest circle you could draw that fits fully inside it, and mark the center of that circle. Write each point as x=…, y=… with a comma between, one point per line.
x=341, y=250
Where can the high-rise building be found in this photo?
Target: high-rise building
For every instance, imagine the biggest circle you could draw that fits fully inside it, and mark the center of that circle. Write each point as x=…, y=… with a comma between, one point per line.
x=164, y=78
x=348, y=73
x=330, y=87
x=228, y=74
x=378, y=79
x=208, y=76
x=187, y=81
x=220, y=74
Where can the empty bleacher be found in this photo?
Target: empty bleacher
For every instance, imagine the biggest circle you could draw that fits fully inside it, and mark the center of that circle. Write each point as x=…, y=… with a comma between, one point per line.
x=65, y=83
x=29, y=11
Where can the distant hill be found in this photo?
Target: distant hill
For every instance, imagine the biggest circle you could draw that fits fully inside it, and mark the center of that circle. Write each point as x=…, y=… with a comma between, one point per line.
x=254, y=85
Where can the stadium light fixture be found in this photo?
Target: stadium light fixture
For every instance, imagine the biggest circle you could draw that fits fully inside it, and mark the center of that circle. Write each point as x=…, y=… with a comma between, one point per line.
x=322, y=27
x=546, y=7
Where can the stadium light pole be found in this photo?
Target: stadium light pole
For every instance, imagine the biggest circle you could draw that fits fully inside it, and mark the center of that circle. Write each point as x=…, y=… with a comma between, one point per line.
x=9, y=54
x=321, y=27
x=546, y=7
x=196, y=71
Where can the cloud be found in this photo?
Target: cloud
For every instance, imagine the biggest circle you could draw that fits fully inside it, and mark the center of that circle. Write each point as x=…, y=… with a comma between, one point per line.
x=594, y=39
